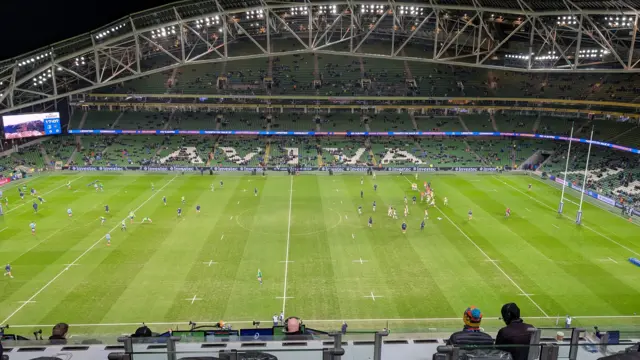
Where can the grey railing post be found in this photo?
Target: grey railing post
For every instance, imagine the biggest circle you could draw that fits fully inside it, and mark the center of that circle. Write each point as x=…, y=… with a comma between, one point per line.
x=337, y=351
x=604, y=341
x=171, y=347
x=549, y=352
x=534, y=343
x=573, y=348
x=377, y=344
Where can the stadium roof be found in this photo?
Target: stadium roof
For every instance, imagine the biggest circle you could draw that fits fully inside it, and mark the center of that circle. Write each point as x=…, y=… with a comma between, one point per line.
x=519, y=35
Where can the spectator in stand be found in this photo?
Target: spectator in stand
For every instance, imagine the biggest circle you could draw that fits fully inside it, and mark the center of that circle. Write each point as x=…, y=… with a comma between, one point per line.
x=294, y=330
x=517, y=332
x=471, y=334
x=59, y=334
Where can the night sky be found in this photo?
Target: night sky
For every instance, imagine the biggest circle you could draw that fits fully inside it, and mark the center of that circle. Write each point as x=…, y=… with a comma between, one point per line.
x=28, y=25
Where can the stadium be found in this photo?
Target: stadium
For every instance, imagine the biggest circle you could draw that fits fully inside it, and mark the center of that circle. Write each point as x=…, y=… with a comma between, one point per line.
x=311, y=179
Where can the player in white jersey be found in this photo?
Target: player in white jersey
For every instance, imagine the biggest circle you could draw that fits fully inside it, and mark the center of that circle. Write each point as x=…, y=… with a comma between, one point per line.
x=446, y=201
x=212, y=187
x=390, y=211
x=69, y=212
x=361, y=180
x=374, y=175
x=359, y=210
x=426, y=214
x=123, y=226
x=406, y=212
x=395, y=214
x=33, y=228
x=102, y=220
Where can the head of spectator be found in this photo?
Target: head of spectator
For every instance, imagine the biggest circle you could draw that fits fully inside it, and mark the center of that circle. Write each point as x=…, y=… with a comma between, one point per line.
x=471, y=334
x=59, y=333
x=142, y=332
x=516, y=335
x=293, y=329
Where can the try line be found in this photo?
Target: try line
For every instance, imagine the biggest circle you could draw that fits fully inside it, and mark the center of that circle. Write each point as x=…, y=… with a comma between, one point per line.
x=495, y=318
x=80, y=257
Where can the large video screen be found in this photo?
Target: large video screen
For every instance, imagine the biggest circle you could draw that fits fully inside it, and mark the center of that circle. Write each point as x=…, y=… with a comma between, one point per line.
x=30, y=125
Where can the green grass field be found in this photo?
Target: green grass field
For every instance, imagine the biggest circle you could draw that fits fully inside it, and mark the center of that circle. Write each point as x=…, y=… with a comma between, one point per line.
x=203, y=267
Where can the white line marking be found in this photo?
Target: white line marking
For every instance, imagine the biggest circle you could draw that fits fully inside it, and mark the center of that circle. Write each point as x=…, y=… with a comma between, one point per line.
x=210, y=262
x=527, y=209
x=48, y=192
x=585, y=226
x=525, y=294
x=4, y=229
x=71, y=265
x=222, y=237
x=493, y=262
x=360, y=261
x=231, y=218
x=489, y=258
x=556, y=226
x=193, y=299
x=286, y=258
x=373, y=297
x=353, y=236
x=286, y=261
x=26, y=302
x=327, y=320
x=81, y=256
x=613, y=260
x=283, y=298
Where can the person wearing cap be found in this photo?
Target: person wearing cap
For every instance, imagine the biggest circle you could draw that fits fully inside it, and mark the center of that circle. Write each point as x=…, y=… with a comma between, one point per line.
x=517, y=332
x=471, y=333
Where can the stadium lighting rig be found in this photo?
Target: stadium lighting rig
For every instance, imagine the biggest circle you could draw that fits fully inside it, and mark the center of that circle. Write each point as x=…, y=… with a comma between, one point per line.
x=35, y=59
x=372, y=9
x=110, y=31
x=257, y=14
x=295, y=11
x=328, y=9
x=209, y=21
x=620, y=21
x=163, y=32
x=42, y=78
x=80, y=61
x=410, y=11
x=567, y=20
x=592, y=53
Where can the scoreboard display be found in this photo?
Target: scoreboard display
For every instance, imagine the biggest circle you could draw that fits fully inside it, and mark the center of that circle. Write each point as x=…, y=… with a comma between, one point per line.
x=31, y=125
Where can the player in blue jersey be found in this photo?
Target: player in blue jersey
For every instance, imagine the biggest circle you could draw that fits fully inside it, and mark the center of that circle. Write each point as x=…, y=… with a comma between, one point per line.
x=69, y=212
x=33, y=192
x=198, y=209
x=470, y=214
x=255, y=191
x=370, y=221
x=164, y=200
x=7, y=271
x=414, y=199
x=41, y=200
x=361, y=194
x=35, y=206
x=108, y=237
x=123, y=226
x=106, y=209
x=375, y=187
x=374, y=206
x=404, y=227
x=102, y=220
x=422, y=225
x=179, y=212
x=21, y=195
x=33, y=228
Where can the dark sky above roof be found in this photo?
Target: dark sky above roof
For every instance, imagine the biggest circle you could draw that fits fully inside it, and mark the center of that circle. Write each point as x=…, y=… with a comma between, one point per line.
x=28, y=25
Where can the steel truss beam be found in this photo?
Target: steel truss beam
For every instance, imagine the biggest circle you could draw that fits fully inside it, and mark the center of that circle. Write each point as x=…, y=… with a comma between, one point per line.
x=517, y=39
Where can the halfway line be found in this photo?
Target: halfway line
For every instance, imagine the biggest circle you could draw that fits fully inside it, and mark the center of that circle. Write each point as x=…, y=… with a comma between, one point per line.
x=286, y=259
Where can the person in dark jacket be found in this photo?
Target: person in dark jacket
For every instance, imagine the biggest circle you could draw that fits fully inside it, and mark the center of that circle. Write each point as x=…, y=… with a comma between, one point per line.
x=471, y=333
x=517, y=332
